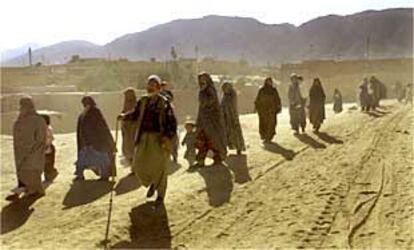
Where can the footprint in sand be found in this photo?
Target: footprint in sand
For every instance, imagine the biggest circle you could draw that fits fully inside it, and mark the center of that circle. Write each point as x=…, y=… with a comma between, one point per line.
x=291, y=223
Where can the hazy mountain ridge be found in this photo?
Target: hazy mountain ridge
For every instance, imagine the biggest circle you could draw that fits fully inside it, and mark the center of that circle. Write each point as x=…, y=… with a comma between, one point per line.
x=386, y=33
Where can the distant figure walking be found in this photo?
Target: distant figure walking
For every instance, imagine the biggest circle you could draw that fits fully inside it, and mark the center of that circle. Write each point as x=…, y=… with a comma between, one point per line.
x=29, y=141
x=128, y=128
x=296, y=104
x=399, y=91
x=364, y=97
x=378, y=91
x=337, y=98
x=268, y=105
x=211, y=133
x=229, y=107
x=50, y=171
x=409, y=94
x=96, y=146
x=190, y=140
x=316, y=104
x=157, y=126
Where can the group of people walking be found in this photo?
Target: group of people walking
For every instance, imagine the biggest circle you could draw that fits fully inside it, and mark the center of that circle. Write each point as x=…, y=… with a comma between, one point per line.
x=404, y=93
x=371, y=91
x=268, y=105
x=149, y=132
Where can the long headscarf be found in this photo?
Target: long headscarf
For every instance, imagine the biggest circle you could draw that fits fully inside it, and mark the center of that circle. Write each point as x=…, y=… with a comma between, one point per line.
x=88, y=100
x=27, y=106
x=130, y=100
x=209, y=80
x=316, y=90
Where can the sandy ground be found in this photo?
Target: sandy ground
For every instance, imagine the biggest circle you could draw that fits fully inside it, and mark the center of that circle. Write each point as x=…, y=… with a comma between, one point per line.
x=349, y=187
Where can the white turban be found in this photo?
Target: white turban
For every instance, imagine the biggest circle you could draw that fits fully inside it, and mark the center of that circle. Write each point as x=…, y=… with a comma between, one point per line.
x=154, y=78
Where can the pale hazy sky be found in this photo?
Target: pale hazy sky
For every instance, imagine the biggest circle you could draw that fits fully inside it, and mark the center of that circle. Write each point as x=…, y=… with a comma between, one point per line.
x=46, y=22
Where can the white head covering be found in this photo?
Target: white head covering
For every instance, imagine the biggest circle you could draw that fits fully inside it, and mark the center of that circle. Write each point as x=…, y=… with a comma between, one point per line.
x=154, y=78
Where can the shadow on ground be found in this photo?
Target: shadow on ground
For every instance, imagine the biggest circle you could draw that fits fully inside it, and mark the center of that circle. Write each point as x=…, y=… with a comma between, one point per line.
x=328, y=138
x=277, y=149
x=149, y=228
x=127, y=184
x=219, y=183
x=173, y=167
x=238, y=165
x=310, y=141
x=84, y=192
x=15, y=214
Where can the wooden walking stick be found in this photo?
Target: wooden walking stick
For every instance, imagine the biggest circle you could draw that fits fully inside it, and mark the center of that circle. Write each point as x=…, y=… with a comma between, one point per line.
x=106, y=241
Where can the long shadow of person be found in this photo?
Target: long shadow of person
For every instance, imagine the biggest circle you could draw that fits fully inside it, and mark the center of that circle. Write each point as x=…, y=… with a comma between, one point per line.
x=276, y=148
x=310, y=141
x=15, y=214
x=238, y=165
x=382, y=112
x=84, y=192
x=328, y=138
x=173, y=167
x=219, y=184
x=127, y=184
x=149, y=228
x=376, y=114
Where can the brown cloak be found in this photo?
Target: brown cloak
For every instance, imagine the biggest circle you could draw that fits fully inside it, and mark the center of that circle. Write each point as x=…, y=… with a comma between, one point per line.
x=210, y=120
x=234, y=132
x=29, y=141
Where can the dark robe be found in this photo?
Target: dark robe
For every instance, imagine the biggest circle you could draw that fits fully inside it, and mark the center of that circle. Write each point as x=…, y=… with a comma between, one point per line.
x=379, y=91
x=316, y=105
x=365, y=98
x=337, y=106
x=210, y=124
x=268, y=105
x=234, y=132
x=153, y=115
x=92, y=130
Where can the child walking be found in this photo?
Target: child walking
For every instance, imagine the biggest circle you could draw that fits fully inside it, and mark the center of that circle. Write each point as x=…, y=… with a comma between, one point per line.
x=190, y=142
x=50, y=171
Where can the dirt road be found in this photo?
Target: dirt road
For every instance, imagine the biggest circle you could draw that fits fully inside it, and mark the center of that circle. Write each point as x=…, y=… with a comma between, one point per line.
x=348, y=187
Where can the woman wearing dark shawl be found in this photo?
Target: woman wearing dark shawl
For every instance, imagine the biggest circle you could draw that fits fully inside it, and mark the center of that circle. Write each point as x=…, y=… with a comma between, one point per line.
x=234, y=132
x=129, y=127
x=268, y=105
x=316, y=104
x=337, y=97
x=29, y=141
x=211, y=133
x=96, y=146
